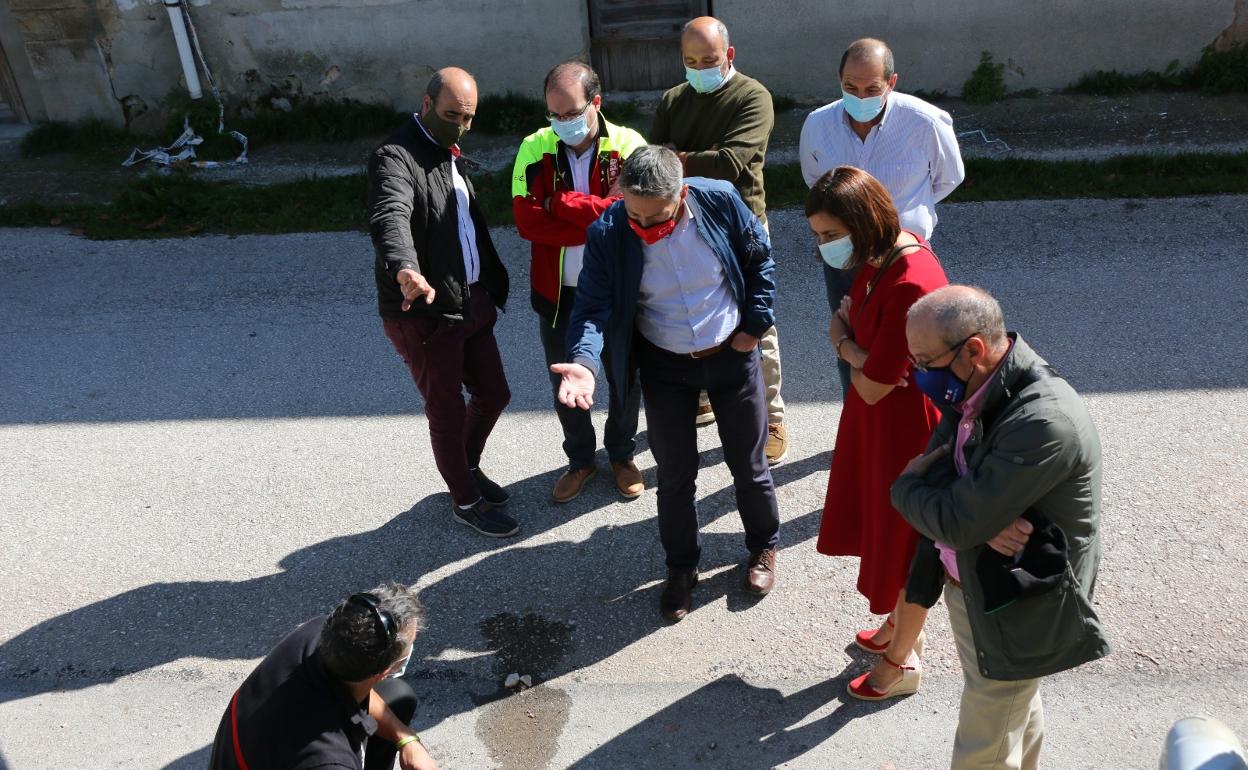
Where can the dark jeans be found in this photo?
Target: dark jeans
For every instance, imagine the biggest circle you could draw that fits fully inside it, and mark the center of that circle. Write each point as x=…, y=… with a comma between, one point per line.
x=734, y=383
x=401, y=699
x=446, y=358
x=838, y=283
x=579, y=440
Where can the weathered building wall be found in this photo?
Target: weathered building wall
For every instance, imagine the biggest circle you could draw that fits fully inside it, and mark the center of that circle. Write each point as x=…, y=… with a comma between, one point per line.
x=115, y=58
x=937, y=43
x=92, y=57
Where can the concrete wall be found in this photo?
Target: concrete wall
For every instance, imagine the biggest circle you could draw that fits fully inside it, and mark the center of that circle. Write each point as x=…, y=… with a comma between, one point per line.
x=116, y=58
x=110, y=58
x=937, y=43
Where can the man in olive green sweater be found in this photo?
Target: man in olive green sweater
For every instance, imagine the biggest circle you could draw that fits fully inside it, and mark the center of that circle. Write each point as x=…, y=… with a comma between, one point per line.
x=719, y=122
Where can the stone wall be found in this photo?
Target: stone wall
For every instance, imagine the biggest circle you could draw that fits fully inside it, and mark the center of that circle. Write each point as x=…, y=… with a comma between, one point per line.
x=116, y=58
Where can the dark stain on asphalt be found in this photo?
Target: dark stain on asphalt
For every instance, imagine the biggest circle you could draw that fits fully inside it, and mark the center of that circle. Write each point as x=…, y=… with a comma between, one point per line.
x=526, y=644
x=521, y=730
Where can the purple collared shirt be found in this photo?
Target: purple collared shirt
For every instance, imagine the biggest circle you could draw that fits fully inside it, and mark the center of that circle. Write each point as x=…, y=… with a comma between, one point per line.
x=969, y=408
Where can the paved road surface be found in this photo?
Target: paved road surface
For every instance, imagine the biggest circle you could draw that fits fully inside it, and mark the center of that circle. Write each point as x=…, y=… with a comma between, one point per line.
x=204, y=442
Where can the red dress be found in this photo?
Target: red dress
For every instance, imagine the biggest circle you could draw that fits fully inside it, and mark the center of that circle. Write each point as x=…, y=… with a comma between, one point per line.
x=874, y=443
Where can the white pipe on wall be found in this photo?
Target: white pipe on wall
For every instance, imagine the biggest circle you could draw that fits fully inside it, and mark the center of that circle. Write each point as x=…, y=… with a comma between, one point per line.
x=174, y=7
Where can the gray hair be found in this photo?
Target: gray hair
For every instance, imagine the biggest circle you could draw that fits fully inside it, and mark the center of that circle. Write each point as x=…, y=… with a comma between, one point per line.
x=652, y=172
x=868, y=49
x=353, y=645
x=720, y=30
x=959, y=312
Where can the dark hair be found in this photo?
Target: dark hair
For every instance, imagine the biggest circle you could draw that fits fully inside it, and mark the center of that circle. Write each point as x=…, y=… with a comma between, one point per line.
x=865, y=50
x=434, y=86
x=863, y=205
x=589, y=78
x=354, y=646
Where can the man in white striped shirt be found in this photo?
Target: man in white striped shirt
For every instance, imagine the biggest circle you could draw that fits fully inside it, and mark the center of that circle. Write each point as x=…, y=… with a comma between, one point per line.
x=906, y=143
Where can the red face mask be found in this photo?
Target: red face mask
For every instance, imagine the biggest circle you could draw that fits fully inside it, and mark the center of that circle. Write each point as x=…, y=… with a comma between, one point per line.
x=654, y=233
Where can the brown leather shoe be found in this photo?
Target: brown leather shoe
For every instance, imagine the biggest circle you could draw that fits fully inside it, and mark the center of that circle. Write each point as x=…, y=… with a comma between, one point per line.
x=777, y=443
x=571, y=483
x=676, y=597
x=760, y=576
x=627, y=478
x=705, y=416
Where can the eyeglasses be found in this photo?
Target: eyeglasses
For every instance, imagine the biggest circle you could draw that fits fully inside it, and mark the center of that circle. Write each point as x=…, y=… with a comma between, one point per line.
x=569, y=115
x=924, y=367
x=388, y=627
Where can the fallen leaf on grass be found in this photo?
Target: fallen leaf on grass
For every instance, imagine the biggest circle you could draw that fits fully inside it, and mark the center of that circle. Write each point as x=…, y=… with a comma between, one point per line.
x=192, y=229
x=55, y=221
x=154, y=225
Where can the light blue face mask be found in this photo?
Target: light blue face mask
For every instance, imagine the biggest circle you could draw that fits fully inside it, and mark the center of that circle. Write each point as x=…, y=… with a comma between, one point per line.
x=572, y=132
x=704, y=81
x=837, y=253
x=863, y=110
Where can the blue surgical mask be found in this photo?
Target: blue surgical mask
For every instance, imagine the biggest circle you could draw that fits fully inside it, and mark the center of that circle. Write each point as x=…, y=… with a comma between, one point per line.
x=704, y=81
x=862, y=110
x=941, y=385
x=837, y=253
x=572, y=132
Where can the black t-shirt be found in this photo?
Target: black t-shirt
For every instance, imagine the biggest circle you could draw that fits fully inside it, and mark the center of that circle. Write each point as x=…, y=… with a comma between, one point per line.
x=291, y=714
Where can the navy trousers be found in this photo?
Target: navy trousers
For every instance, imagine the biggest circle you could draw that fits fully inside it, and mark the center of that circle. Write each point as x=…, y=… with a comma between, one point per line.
x=733, y=381
x=579, y=441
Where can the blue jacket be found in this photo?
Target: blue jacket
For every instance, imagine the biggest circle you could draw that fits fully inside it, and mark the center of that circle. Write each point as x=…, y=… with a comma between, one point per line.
x=609, y=286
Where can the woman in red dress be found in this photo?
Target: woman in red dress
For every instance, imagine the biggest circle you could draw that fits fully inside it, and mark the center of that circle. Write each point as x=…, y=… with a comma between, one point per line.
x=886, y=419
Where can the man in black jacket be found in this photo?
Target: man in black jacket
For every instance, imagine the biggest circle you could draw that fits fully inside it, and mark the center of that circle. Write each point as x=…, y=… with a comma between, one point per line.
x=439, y=284
x=330, y=695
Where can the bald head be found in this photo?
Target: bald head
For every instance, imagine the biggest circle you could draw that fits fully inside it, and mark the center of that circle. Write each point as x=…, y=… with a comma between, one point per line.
x=704, y=44
x=452, y=96
x=953, y=313
x=706, y=29
x=869, y=52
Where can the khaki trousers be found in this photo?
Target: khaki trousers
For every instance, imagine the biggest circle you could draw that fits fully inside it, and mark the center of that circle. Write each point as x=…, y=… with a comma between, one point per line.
x=1000, y=724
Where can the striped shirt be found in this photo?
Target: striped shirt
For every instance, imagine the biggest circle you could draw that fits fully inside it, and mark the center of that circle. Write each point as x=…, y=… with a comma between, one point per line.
x=913, y=151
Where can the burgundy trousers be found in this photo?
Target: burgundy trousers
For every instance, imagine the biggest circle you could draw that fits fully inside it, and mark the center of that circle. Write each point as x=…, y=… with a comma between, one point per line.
x=445, y=359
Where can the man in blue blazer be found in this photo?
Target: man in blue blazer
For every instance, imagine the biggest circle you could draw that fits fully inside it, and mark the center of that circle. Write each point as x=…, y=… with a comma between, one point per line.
x=677, y=278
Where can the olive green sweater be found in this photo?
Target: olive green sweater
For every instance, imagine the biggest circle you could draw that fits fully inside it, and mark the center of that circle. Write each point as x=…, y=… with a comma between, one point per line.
x=725, y=133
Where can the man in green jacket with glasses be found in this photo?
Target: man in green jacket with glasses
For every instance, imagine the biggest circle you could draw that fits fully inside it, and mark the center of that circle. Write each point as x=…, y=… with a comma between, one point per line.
x=1008, y=501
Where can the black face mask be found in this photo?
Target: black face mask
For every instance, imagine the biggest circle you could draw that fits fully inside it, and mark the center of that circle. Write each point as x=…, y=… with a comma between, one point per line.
x=444, y=132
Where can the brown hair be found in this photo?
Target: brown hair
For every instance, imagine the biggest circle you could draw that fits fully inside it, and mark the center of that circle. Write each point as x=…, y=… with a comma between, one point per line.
x=861, y=202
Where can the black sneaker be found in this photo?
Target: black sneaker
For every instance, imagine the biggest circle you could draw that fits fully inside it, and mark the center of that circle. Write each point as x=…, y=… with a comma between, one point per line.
x=493, y=493
x=486, y=519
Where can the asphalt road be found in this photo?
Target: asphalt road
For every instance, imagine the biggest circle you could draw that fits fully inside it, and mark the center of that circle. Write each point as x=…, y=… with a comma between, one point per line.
x=204, y=442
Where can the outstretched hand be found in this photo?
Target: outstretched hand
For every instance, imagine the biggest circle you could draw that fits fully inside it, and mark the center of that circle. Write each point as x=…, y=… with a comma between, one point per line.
x=577, y=388
x=414, y=285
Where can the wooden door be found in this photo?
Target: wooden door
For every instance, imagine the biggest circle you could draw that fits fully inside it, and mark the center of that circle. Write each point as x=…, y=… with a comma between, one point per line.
x=636, y=43
x=11, y=108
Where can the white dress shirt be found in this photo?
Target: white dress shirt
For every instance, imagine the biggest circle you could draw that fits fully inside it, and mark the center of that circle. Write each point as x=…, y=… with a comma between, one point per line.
x=913, y=151
x=573, y=256
x=467, y=230
x=685, y=303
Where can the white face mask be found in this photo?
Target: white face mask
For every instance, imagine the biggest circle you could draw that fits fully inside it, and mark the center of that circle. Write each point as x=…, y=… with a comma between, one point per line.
x=402, y=669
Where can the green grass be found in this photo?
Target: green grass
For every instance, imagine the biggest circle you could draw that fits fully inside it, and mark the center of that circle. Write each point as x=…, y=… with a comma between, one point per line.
x=1003, y=179
x=1217, y=72
x=986, y=83
x=161, y=206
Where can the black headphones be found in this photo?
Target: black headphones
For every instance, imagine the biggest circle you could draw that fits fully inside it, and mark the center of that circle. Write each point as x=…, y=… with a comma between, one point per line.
x=388, y=627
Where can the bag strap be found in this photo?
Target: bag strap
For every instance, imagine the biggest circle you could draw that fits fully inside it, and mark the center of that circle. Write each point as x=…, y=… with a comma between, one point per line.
x=238, y=745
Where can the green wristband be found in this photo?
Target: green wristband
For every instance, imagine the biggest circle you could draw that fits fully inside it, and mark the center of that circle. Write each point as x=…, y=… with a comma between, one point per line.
x=413, y=738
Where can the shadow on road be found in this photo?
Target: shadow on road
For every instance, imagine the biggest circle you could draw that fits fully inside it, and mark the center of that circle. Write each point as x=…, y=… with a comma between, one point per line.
x=544, y=609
